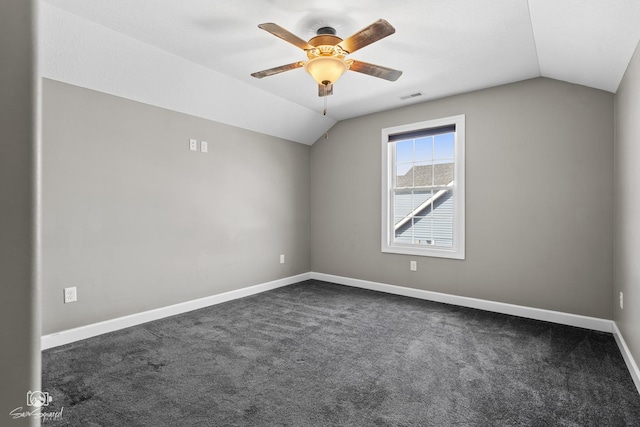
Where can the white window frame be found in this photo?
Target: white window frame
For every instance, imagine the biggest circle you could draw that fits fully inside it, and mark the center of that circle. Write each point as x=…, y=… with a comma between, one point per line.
x=457, y=251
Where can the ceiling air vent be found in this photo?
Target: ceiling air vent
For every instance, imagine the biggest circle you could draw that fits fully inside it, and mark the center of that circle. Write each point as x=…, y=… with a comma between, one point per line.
x=413, y=95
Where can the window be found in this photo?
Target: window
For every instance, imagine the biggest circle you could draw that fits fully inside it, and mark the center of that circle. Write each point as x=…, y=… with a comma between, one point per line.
x=423, y=188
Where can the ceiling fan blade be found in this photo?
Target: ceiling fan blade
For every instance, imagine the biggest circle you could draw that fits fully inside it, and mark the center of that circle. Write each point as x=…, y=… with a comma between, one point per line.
x=374, y=32
x=277, y=70
x=375, y=70
x=285, y=35
x=325, y=90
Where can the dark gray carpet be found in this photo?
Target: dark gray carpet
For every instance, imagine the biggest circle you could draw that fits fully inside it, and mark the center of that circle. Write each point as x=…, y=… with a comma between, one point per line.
x=318, y=354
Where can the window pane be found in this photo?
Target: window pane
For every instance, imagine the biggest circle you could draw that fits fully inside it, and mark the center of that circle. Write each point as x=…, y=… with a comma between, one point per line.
x=443, y=220
x=403, y=233
x=443, y=146
x=404, y=151
x=403, y=204
x=443, y=173
x=424, y=148
x=422, y=174
x=404, y=175
x=422, y=230
x=419, y=197
x=443, y=231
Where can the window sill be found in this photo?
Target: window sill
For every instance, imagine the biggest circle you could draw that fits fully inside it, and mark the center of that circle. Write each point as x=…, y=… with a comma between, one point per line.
x=450, y=253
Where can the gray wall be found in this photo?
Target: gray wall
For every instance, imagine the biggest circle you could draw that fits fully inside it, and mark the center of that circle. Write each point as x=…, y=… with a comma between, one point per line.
x=137, y=221
x=539, y=206
x=19, y=322
x=627, y=207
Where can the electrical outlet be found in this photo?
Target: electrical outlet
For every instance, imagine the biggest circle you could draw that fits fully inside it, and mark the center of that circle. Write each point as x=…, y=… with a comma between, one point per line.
x=621, y=301
x=70, y=295
x=413, y=265
x=281, y=259
x=204, y=146
x=193, y=144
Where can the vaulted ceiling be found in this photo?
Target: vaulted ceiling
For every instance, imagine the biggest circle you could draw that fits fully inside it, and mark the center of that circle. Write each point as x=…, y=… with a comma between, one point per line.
x=196, y=56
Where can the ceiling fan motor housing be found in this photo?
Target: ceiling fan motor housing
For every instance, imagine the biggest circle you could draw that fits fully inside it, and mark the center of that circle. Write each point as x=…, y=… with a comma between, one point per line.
x=325, y=40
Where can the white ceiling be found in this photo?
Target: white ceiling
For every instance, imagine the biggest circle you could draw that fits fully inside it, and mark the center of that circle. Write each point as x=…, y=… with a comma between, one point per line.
x=196, y=56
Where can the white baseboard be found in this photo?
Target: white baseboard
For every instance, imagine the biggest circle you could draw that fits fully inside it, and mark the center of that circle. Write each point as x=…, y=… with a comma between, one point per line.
x=88, y=331
x=594, y=323
x=627, y=356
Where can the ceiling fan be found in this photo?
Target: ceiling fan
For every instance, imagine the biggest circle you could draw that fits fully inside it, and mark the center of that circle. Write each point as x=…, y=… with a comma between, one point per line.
x=326, y=53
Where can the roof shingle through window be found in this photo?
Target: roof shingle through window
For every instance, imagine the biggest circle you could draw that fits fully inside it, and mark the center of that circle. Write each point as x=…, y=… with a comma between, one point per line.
x=426, y=175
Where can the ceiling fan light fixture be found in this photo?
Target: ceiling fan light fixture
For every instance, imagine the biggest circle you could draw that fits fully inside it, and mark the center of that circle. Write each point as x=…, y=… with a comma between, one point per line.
x=325, y=69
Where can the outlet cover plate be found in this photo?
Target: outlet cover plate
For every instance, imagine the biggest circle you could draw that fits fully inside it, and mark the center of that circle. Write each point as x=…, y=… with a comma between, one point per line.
x=70, y=295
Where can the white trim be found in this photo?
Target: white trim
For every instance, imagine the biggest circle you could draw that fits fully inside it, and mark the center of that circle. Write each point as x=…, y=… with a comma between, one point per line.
x=457, y=251
x=627, y=356
x=88, y=331
x=594, y=323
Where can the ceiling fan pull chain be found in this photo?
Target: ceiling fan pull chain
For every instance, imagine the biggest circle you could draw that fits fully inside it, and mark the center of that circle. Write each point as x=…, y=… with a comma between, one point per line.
x=324, y=113
x=325, y=85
